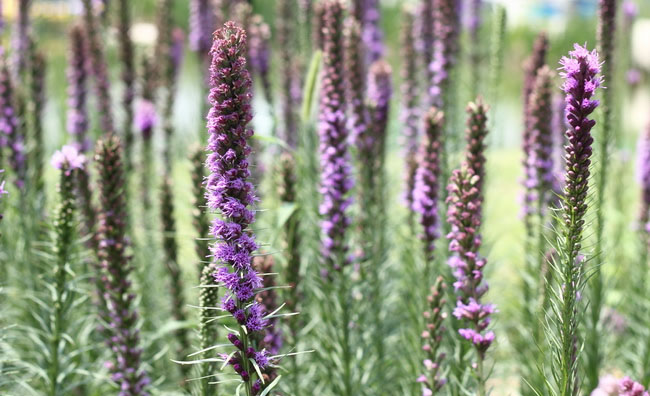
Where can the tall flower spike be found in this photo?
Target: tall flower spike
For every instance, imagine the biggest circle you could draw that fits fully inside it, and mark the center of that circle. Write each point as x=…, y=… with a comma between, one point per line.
x=38, y=71
x=410, y=112
x=99, y=68
x=476, y=133
x=541, y=117
x=447, y=25
x=11, y=136
x=77, y=123
x=128, y=78
x=68, y=161
x=22, y=36
x=427, y=179
x=231, y=194
x=464, y=215
x=580, y=73
x=356, y=80
x=336, y=180
x=122, y=335
x=426, y=31
x=536, y=60
x=273, y=339
x=432, y=340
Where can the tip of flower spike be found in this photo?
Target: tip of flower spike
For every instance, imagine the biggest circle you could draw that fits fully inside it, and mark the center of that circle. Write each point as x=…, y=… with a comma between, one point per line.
x=68, y=158
x=580, y=61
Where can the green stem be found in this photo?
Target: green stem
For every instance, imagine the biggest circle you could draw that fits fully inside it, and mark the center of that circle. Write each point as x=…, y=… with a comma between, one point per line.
x=481, y=377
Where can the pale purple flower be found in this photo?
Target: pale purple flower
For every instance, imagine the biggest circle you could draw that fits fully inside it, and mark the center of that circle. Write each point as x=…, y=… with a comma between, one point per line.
x=68, y=158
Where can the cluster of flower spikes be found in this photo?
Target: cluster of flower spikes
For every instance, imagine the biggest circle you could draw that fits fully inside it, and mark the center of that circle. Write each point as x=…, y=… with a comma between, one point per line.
x=229, y=192
x=432, y=337
x=464, y=216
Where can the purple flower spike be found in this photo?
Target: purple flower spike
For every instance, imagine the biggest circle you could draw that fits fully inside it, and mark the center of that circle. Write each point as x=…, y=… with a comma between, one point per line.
x=10, y=135
x=447, y=25
x=380, y=90
x=228, y=190
x=119, y=316
x=77, y=89
x=410, y=113
x=427, y=179
x=146, y=118
x=475, y=133
x=464, y=216
x=580, y=73
x=336, y=180
x=356, y=80
x=372, y=35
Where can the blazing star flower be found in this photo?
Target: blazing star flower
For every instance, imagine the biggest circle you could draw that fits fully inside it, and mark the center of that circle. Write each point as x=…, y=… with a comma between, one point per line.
x=68, y=158
x=632, y=388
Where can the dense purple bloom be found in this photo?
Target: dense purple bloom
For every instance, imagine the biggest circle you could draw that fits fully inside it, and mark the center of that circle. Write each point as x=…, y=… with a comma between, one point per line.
x=77, y=79
x=580, y=73
x=632, y=388
x=68, y=158
x=336, y=180
x=146, y=118
x=427, y=179
x=120, y=317
x=202, y=25
x=432, y=337
x=410, y=112
x=447, y=26
x=464, y=216
x=380, y=90
x=272, y=340
x=11, y=135
x=228, y=190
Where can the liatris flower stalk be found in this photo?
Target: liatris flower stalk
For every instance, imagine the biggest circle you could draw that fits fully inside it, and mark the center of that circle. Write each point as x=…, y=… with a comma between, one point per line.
x=171, y=264
x=22, y=37
x=410, y=113
x=356, y=80
x=230, y=193
x=68, y=161
x=643, y=169
x=446, y=28
x=531, y=66
x=335, y=177
x=99, y=68
x=287, y=31
x=427, y=181
x=121, y=332
x=128, y=78
x=77, y=123
x=580, y=73
x=543, y=184
x=497, y=45
x=202, y=24
x=318, y=25
x=371, y=33
x=464, y=215
x=11, y=134
x=427, y=34
x=432, y=336
x=606, y=40
x=259, y=49
x=36, y=108
x=476, y=133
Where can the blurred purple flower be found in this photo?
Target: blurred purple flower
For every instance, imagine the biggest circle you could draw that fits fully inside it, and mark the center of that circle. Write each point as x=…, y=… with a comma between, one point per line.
x=68, y=158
